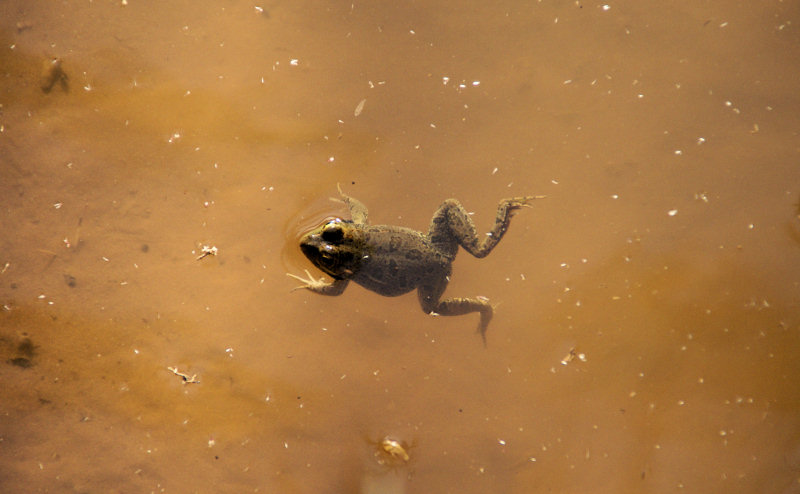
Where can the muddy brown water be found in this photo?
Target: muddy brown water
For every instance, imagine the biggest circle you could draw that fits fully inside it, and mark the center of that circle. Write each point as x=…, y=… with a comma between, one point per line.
x=647, y=331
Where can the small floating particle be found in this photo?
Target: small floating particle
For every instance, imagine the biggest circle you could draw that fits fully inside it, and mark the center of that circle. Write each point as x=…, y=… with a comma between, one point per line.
x=207, y=250
x=392, y=451
x=359, y=107
x=568, y=357
x=672, y=212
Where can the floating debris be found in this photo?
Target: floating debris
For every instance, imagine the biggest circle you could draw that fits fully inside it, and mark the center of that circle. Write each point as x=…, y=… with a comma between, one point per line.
x=392, y=452
x=359, y=107
x=187, y=379
x=207, y=250
x=569, y=357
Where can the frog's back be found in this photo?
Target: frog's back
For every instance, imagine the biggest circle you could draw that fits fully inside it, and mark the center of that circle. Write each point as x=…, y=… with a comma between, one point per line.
x=397, y=260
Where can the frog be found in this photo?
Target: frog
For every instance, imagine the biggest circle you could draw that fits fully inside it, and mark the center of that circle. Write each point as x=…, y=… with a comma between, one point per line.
x=394, y=260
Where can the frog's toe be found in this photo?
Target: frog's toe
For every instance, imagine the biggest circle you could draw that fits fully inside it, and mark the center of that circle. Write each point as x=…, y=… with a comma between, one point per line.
x=529, y=199
x=310, y=282
x=487, y=312
x=524, y=201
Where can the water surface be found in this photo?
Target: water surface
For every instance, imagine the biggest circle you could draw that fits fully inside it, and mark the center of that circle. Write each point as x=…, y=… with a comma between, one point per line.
x=647, y=329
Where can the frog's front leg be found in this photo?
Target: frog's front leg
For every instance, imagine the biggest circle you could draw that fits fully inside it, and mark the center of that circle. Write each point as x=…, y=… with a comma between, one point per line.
x=319, y=285
x=358, y=211
x=429, y=299
x=451, y=226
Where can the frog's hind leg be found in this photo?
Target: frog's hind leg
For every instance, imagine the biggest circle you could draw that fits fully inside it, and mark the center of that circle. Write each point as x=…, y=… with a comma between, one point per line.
x=452, y=222
x=455, y=307
x=358, y=211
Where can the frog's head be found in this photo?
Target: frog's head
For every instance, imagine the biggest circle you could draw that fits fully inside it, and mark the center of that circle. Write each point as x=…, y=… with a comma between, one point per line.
x=335, y=247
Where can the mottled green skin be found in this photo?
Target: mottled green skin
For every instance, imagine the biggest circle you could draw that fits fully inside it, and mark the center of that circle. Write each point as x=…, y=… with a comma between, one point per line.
x=393, y=260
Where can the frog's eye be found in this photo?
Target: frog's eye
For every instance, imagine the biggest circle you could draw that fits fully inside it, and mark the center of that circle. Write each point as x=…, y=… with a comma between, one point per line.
x=332, y=232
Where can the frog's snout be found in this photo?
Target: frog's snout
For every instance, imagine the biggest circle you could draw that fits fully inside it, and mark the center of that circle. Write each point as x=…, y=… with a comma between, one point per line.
x=309, y=246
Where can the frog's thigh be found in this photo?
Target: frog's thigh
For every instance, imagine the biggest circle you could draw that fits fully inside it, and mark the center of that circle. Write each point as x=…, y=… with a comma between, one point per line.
x=452, y=222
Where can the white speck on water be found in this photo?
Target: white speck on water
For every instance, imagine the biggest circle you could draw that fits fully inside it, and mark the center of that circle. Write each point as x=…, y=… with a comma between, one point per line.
x=359, y=107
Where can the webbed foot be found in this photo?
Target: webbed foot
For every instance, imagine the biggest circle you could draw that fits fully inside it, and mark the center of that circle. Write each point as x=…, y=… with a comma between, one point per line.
x=319, y=285
x=309, y=283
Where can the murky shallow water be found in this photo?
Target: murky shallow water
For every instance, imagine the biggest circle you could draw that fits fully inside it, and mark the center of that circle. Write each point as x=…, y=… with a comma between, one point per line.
x=666, y=256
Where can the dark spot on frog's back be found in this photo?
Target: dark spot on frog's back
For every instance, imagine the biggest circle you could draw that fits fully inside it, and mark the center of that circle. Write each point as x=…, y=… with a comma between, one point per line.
x=413, y=254
x=395, y=243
